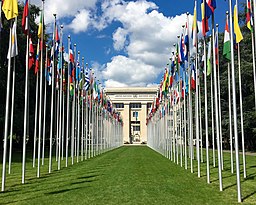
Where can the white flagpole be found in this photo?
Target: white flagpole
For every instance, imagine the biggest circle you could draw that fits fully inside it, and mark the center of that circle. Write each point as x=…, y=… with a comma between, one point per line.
x=35, y=125
x=73, y=115
x=89, y=123
x=241, y=102
x=63, y=115
x=40, y=96
x=12, y=110
x=78, y=113
x=219, y=102
x=101, y=133
x=45, y=96
x=82, y=93
x=185, y=123
x=200, y=121
x=68, y=99
x=60, y=100
x=234, y=105
x=52, y=103
x=97, y=130
x=197, y=116
x=57, y=117
x=212, y=115
x=206, y=115
x=25, y=110
x=7, y=109
x=190, y=104
x=216, y=106
x=230, y=121
x=86, y=121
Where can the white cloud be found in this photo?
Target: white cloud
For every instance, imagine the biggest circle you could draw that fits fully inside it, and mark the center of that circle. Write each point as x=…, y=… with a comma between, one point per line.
x=119, y=38
x=146, y=36
x=72, y=9
x=128, y=71
x=112, y=83
x=81, y=21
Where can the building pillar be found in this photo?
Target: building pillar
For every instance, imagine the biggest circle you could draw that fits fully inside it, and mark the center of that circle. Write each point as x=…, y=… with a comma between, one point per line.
x=143, y=126
x=126, y=120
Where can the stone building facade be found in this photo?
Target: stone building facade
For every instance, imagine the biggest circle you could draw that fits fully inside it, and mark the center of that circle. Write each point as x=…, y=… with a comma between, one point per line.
x=133, y=103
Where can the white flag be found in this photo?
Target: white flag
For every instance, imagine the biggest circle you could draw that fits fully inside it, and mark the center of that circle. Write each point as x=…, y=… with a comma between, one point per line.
x=14, y=46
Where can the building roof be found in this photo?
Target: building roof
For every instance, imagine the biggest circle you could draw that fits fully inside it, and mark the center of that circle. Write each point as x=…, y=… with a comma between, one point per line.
x=132, y=90
x=132, y=94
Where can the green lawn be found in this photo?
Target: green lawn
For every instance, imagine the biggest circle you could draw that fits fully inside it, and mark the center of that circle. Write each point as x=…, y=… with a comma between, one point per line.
x=128, y=175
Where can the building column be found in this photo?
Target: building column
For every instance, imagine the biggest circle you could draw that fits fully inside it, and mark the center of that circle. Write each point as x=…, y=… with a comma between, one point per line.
x=143, y=126
x=126, y=120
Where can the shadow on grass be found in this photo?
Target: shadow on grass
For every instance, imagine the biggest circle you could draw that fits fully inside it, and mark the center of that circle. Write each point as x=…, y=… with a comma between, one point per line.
x=87, y=177
x=250, y=177
x=224, y=188
x=82, y=182
x=249, y=195
x=222, y=178
x=62, y=191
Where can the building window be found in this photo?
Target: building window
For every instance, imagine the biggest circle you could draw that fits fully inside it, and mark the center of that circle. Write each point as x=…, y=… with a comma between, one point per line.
x=135, y=122
x=135, y=105
x=119, y=105
x=135, y=114
x=149, y=105
x=136, y=128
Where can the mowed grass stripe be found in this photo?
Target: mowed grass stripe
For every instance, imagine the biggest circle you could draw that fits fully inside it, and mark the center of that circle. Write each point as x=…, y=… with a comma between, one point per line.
x=128, y=175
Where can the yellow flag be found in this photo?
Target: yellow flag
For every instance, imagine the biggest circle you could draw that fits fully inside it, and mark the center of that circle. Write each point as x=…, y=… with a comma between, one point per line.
x=237, y=30
x=10, y=9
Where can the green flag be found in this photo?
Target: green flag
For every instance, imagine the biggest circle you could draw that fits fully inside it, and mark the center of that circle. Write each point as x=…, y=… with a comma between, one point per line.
x=227, y=43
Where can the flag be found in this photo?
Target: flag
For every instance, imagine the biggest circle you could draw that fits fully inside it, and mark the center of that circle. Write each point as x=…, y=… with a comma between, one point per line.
x=78, y=70
x=71, y=61
x=10, y=9
x=186, y=42
x=209, y=63
x=181, y=50
x=205, y=27
x=57, y=42
x=249, y=20
x=31, y=54
x=95, y=90
x=40, y=26
x=176, y=96
x=25, y=18
x=194, y=28
x=227, y=43
x=60, y=58
x=13, y=51
x=237, y=30
x=86, y=80
x=193, y=77
x=48, y=74
x=210, y=7
x=37, y=57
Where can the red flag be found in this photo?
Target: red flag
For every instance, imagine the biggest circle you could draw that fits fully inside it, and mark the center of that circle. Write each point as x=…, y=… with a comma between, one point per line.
x=31, y=54
x=25, y=18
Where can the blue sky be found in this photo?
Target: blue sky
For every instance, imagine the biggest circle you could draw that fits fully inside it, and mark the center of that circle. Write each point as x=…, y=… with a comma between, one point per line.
x=127, y=43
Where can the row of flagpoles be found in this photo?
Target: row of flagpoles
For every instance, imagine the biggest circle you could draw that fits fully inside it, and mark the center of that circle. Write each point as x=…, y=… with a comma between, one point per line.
x=82, y=123
x=172, y=117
